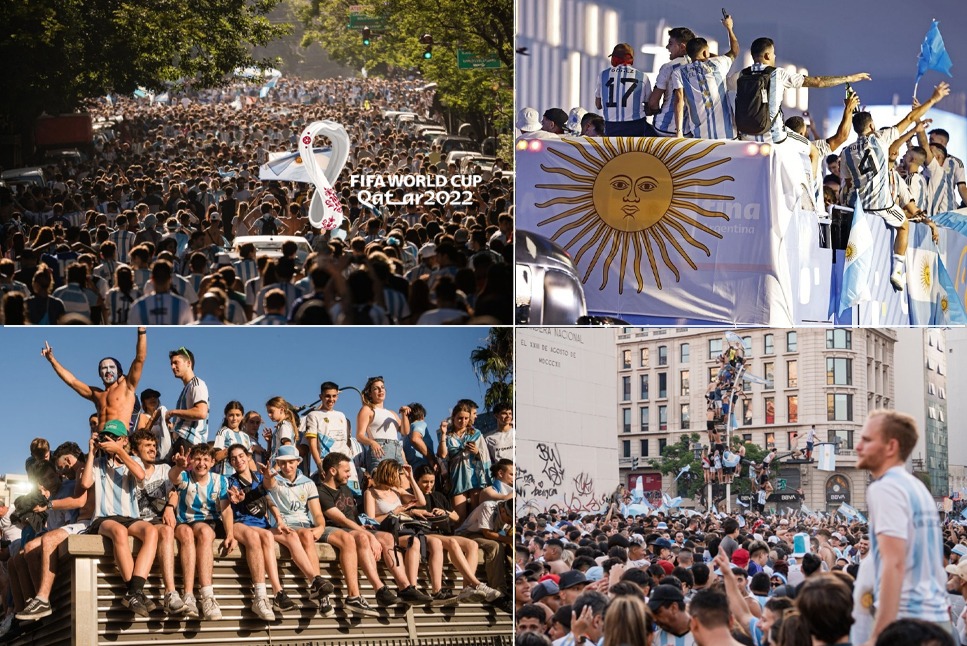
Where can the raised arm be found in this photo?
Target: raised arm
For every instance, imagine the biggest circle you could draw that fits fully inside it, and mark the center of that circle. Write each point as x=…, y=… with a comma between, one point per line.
x=76, y=384
x=733, y=52
x=833, y=81
x=842, y=133
x=736, y=601
x=140, y=354
x=917, y=113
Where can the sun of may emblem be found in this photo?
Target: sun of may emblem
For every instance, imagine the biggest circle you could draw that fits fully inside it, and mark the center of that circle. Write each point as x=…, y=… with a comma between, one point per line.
x=634, y=195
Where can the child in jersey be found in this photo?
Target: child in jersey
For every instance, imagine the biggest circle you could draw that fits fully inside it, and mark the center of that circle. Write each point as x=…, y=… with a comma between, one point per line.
x=230, y=433
x=202, y=501
x=286, y=425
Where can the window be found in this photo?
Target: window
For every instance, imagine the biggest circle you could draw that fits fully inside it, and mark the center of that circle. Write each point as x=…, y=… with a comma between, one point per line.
x=792, y=374
x=792, y=407
x=626, y=448
x=663, y=418
x=662, y=385
x=770, y=406
x=769, y=344
x=792, y=341
x=661, y=446
x=839, y=407
x=746, y=438
x=793, y=438
x=644, y=448
x=940, y=415
x=747, y=344
x=747, y=413
x=685, y=417
x=843, y=439
x=943, y=393
x=770, y=440
x=625, y=359
x=644, y=357
x=839, y=340
x=713, y=374
x=683, y=380
x=931, y=389
x=714, y=348
x=769, y=368
x=625, y=389
x=643, y=413
x=626, y=419
x=684, y=353
x=839, y=371
x=663, y=355
x=644, y=387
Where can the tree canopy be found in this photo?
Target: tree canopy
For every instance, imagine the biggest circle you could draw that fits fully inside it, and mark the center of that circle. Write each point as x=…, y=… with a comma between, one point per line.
x=482, y=97
x=60, y=52
x=494, y=365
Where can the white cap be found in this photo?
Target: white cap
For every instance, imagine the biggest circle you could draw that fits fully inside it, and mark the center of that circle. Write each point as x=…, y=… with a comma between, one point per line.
x=574, y=119
x=528, y=120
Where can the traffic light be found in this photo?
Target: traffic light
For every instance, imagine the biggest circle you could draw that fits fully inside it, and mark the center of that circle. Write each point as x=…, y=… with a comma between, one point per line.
x=367, y=36
x=634, y=463
x=427, y=41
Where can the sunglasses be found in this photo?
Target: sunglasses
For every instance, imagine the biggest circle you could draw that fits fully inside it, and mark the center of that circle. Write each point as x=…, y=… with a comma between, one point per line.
x=182, y=351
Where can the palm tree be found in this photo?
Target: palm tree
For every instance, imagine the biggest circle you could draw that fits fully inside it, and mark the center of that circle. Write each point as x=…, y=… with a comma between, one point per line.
x=493, y=364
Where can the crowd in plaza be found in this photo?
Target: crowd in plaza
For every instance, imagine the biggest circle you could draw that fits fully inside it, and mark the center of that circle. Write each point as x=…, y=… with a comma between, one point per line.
x=393, y=498
x=144, y=232
x=677, y=577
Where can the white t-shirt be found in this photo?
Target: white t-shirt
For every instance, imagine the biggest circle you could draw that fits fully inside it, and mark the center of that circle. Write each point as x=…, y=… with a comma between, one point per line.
x=501, y=445
x=901, y=507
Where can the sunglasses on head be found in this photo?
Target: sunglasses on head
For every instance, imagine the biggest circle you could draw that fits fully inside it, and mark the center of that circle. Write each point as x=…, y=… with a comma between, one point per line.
x=182, y=351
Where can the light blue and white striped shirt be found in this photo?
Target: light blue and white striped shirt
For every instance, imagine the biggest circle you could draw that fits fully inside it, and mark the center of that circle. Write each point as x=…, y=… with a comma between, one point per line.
x=193, y=431
x=115, y=489
x=665, y=638
x=77, y=300
x=292, y=499
x=623, y=91
x=160, y=309
x=225, y=438
x=901, y=507
x=119, y=305
x=200, y=500
x=868, y=162
x=124, y=240
x=708, y=113
x=665, y=119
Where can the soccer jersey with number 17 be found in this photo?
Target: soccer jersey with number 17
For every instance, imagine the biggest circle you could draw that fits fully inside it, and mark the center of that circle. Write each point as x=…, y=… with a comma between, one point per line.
x=623, y=91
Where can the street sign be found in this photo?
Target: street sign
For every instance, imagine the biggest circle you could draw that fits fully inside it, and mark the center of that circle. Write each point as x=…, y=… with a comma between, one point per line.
x=358, y=21
x=470, y=61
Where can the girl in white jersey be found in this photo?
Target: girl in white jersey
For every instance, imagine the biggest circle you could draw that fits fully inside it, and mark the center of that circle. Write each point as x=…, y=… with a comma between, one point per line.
x=378, y=428
x=280, y=412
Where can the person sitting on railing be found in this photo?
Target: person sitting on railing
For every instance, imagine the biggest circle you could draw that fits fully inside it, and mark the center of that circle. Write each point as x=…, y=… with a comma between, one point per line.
x=202, y=500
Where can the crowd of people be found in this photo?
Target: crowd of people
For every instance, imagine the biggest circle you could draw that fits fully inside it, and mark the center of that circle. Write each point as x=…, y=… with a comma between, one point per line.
x=697, y=94
x=144, y=231
x=390, y=492
x=679, y=577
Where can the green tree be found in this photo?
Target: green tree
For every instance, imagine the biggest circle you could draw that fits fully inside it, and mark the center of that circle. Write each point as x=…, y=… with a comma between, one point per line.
x=484, y=98
x=61, y=52
x=675, y=457
x=493, y=364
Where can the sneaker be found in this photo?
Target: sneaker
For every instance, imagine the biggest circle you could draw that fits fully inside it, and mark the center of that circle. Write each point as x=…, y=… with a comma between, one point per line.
x=210, y=609
x=414, y=597
x=136, y=603
x=191, y=607
x=320, y=588
x=898, y=278
x=386, y=597
x=470, y=594
x=34, y=610
x=282, y=602
x=325, y=607
x=444, y=597
x=262, y=608
x=489, y=594
x=358, y=606
x=173, y=605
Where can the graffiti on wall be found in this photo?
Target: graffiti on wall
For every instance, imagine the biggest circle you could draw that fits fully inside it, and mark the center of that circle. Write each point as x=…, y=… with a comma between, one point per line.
x=544, y=482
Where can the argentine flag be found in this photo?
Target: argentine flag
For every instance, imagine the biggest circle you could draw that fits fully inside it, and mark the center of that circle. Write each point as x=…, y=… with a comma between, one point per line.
x=859, y=260
x=948, y=308
x=826, y=456
x=851, y=513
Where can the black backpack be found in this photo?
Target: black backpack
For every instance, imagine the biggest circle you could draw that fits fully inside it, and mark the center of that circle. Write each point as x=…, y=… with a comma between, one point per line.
x=752, y=101
x=269, y=227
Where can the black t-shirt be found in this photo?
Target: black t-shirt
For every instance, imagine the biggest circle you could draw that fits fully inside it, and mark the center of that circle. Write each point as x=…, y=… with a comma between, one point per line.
x=437, y=500
x=342, y=499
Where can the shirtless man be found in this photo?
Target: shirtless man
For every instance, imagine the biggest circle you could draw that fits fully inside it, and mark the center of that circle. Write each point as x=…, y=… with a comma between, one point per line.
x=115, y=401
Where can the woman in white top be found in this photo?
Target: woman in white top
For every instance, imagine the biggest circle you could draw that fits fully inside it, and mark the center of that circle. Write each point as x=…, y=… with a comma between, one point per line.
x=286, y=423
x=377, y=428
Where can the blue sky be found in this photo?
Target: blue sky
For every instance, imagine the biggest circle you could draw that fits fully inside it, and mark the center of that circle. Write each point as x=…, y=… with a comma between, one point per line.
x=430, y=366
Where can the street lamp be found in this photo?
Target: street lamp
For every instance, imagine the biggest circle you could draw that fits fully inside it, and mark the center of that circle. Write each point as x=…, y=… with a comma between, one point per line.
x=697, y=449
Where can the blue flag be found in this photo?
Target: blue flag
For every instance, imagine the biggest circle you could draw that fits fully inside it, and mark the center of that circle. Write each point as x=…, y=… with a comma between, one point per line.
x=859, y=261
x=933, y=54
x=949, y=307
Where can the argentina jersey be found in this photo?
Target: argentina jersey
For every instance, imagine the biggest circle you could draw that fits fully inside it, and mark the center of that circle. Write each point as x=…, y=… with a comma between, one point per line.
x=119, y=304
x=665, y=119
x=115, y=489
x=292, y=499
x=945, y=196
x=160, y=309
x=192, y=431
x=624, y=91
x=909, y=510
x=708, y=113
x=665, y=638
x=200, y=500
x=867, y=161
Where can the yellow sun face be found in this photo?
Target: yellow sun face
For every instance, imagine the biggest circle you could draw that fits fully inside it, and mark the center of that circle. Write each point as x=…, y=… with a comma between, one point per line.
x=850, y=252
x=634, y=197
x=944, y=304
x=925, y=275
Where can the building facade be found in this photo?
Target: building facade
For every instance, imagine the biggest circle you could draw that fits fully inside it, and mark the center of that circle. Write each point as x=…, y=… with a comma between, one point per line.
x=830, y=378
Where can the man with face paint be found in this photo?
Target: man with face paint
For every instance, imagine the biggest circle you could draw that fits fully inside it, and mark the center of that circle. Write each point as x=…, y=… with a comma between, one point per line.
x=115, y=401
